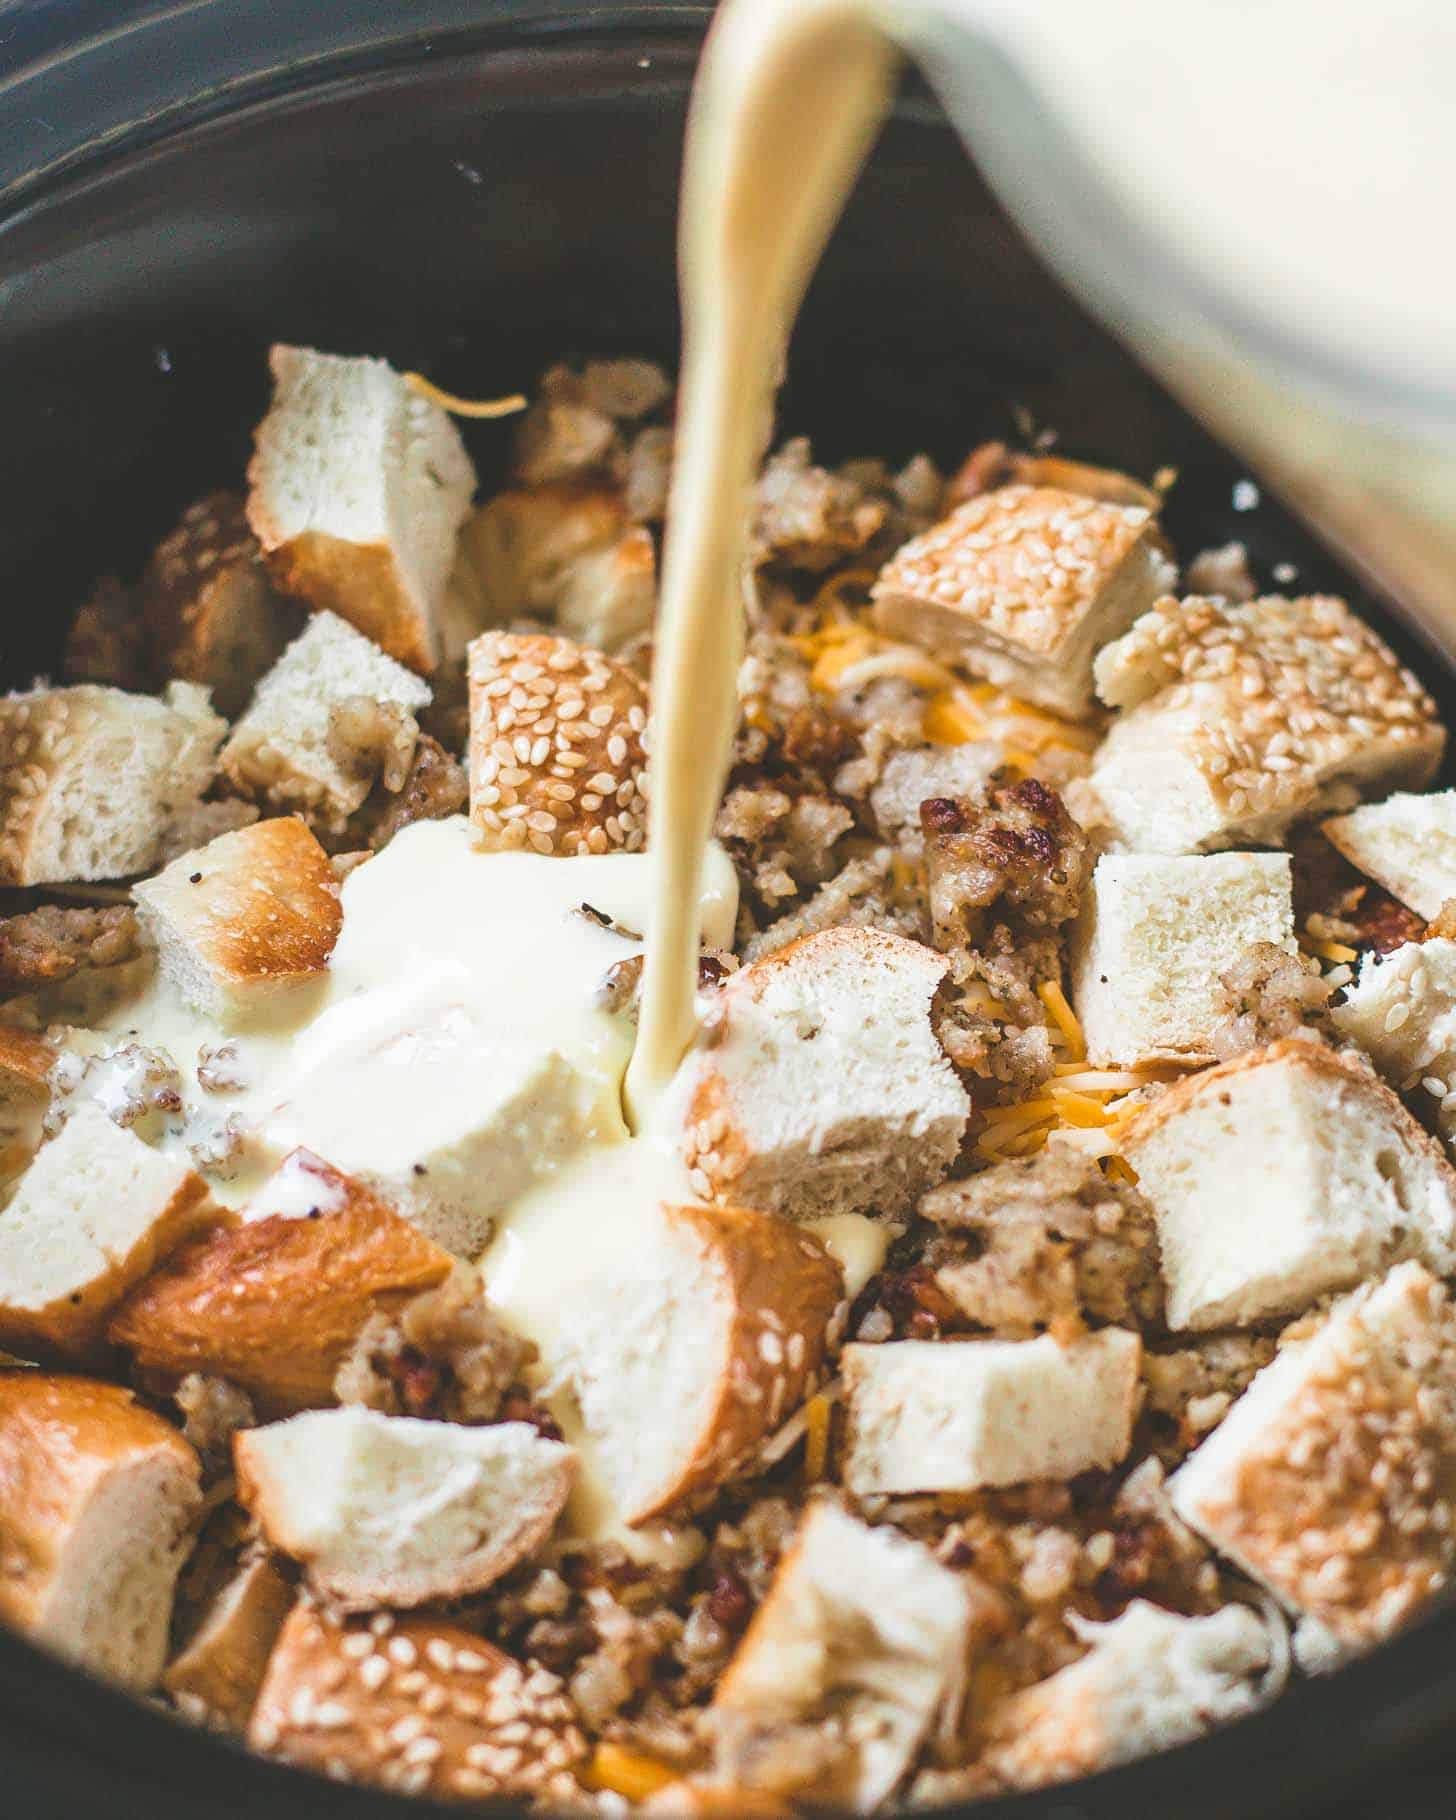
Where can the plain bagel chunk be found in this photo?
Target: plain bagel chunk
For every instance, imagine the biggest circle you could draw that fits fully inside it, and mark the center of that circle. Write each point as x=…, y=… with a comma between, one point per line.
x=275, y=1303
x=357, y=488
x=91, y=778
x=1242, y=716
x=863, y=1624
x=216, y=1677
x=97, y=1502
x=26, y=1061
x=1406, y=843
x=1333, y=1478
x=556, y=757
x=927, y=1416
x=822, y=1087
x=728, y=1307
x=1280, y=1176
x=418, y=1705
x=282, y=750
x=1152, y=1679
x=1023, y=584
x=241, y=921
x=390, y=1510
x=93, y=1214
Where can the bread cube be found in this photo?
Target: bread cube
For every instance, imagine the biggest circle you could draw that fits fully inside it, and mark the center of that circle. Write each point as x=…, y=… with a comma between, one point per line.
x=1333, y=1478
x=25, y=1065
x=92, y=1215
x=274, y=1304
x=933, y=1416
x=822, y=1087
x=90, y=778
x=1151, y=1680
x=98, y=1497
x=862, y=1624
x=245, y=919
x=215, y=1678
x=1023, y=584
x=1282, y=1175
x=1242, y=716
x=390, y=1510
x=280, y=750
x=1401, y=1010
x=357, y=488
x=1153, y=938
x=556, y=754
x=1407, y=844
x=417, y=1705
x=211, y=616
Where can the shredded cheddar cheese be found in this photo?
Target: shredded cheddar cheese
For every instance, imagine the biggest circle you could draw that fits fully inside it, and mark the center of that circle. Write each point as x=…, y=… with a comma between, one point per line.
x=465, y=407
x=629, y=1773
x=816, y=1438
x=1065, y=1019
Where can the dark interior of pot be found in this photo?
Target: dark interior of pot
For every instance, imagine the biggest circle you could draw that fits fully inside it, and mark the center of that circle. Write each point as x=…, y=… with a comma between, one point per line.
x=475, y=211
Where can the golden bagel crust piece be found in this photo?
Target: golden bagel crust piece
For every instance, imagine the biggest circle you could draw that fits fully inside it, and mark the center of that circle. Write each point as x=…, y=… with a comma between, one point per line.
x=417, y=1705
x=1242, y=715
x=1022, y=584
x=97, y=1500
x=275, y=1303
x=556, y=757
x=1333, y=1478
x=249, y=915
x=25, y=1065
x=216, y=1677
x=91, y=1216
x=211, y=614
x=784, y=1287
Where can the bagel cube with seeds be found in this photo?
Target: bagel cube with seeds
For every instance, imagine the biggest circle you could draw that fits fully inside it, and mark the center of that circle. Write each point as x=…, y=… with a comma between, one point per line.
x=1240, y=717
x=930, y=1417
x=1023, y=584
x=281, y=753
x=98, y=1500
x=1283, y=1175
x=91, y=778
x=211, y=613
x=1407, y=844
x=1401, y=1009
x=244, y=920
x=1332, y=1480
x=356, y=490
x=420, y=1706
x=556, y=747
x=1154, y=936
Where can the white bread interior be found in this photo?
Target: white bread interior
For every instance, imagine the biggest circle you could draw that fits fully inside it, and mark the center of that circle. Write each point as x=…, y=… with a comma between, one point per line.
x=1332, y=1478
x=91, y=1216
x=927, y=1416
x=98, y=1498
x=863, y=1624
x=1407, y=843
x=91, y=778
x=389, y=1510
x=279, y=751
x=245, y=919
x=1283, y=1175
x=1152, y=1679
x=822, y=1088
x=1154, y=935
x=357, y=488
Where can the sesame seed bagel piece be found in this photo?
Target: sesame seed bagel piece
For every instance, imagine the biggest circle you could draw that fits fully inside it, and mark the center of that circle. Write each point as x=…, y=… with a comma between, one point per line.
x=211, y=614
x=244, y=919
x=396, y=1511
x=418, y=1705
x=730, y=1308
x=275, y=1303
x=1240, y=716
x=556, y=756
x=1023, y=584
x=822, y=1087
x=98, y=1497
